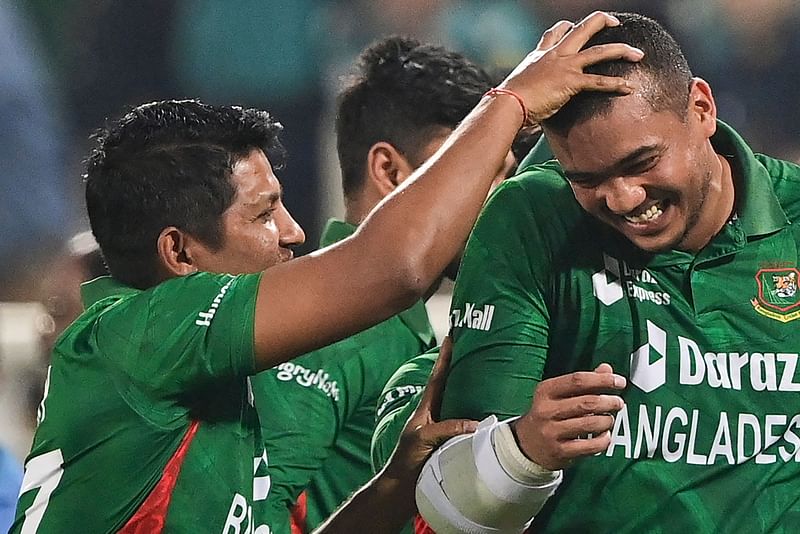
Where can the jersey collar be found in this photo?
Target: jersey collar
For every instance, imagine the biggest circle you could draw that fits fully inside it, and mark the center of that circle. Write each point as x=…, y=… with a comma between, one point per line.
x=416, y=317
x=104, y=287
x=757, y=206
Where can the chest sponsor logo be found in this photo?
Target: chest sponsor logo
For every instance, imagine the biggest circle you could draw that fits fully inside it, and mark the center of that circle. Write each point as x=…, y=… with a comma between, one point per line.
x=617, y=279
x=743, y=369
x=318, y=379
x=473, y=317
x=702, y=436
x=778, y=297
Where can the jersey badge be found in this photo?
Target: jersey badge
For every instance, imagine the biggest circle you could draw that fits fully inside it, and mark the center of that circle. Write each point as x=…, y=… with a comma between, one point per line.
x=778, y=297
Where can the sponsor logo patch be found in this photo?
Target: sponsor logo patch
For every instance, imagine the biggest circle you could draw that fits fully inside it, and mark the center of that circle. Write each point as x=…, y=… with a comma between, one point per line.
x=778, y=297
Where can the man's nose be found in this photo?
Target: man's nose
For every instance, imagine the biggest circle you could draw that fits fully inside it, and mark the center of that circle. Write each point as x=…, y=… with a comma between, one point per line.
x=622, y=194
x=290, y=233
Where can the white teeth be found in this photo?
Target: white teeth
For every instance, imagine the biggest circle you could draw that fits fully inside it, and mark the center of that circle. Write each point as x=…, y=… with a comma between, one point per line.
x=651, y=214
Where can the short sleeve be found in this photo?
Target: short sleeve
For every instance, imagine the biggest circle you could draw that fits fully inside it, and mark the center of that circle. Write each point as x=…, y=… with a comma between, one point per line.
x=398, y=400
x=184, y=335
x=499, y=313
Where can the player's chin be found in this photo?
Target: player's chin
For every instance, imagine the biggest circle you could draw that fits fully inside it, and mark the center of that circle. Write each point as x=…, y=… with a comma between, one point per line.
x=654, y=244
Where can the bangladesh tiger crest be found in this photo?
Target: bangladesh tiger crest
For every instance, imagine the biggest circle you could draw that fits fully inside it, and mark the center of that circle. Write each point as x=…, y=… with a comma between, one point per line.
x=778, y=297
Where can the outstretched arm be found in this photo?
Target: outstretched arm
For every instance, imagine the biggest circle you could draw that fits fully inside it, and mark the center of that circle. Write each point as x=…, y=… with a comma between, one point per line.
x=409, y=238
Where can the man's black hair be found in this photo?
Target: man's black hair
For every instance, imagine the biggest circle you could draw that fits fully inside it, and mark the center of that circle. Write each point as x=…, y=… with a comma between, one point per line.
x=664, y=72
x=168, y=164
x=402, y=93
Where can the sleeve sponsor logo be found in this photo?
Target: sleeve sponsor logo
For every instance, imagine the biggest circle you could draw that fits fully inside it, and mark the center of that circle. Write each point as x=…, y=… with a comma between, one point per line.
x=395, y=394
x=617, y=279
x=205, y=317
x=473, y=317
x=778, y=297
x=307, y=378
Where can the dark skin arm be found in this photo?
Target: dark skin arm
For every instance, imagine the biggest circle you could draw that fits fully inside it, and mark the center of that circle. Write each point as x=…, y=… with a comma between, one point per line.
x=565, y=408
x=406, y=242
x=386, y=503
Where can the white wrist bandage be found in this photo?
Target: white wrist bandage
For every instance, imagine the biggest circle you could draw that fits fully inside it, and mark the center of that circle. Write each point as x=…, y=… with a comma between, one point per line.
x=482, y=483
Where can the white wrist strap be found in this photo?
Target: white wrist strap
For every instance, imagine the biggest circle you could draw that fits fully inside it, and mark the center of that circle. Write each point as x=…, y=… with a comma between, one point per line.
x=483, y=484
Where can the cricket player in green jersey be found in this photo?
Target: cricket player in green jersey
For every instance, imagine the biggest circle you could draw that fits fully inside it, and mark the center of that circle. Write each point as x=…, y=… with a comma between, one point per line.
x=147, y=424
x=660, y=244
x=404, y=101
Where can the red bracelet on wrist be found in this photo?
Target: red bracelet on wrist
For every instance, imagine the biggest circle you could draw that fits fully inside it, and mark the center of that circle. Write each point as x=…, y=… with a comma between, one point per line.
x=500, y=91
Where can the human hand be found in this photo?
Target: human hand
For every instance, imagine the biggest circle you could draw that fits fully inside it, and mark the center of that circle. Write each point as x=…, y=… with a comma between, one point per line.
x=422, y=434
x=553, y=73
x=565, y=409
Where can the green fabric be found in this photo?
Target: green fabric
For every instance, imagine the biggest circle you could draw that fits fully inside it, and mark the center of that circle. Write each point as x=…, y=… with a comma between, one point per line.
x=319, y=438
x=540, y=153
x=709, y=440
x=126, y=381
x=398, y=400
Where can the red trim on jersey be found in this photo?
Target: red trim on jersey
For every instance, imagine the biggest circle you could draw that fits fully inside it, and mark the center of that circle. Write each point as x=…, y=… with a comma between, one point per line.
x=299, y=515
x=421, y=526
x=151, y=516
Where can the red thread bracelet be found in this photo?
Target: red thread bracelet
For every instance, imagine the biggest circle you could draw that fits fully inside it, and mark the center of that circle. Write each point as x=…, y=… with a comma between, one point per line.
x=500, y=91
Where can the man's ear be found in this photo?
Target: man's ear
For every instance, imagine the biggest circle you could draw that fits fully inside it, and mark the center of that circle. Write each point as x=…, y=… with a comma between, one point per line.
x=175, y=252
x=387, y=168
x=703, y=106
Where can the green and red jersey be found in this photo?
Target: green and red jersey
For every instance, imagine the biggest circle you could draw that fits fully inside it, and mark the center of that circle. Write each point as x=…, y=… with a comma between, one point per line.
x=709, y=439
x=148, y=423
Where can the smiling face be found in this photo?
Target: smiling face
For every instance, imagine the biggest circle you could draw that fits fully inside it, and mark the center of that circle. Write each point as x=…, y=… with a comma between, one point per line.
x=258, y=231
x=652, y=176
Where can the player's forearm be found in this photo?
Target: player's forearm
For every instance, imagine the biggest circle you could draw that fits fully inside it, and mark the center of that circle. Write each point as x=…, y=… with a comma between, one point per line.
x=384, y=505
x=396, y=254
x=439, y=207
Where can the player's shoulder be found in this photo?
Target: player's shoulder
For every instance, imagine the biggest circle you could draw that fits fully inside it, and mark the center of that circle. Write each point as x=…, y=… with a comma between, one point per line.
x=543, y=188
x=785, y=176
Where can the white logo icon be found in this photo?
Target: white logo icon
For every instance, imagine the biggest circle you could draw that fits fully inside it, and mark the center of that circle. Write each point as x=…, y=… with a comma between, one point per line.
x=607, y=282
x=647, y=375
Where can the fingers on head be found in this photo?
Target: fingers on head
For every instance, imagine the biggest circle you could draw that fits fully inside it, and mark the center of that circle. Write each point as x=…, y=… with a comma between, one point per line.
x=581, y=32
x=555, y=33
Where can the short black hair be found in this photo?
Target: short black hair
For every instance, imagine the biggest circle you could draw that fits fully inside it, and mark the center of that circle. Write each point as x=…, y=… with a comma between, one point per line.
x=168, y=164
x=402, y=92
x=664, y=71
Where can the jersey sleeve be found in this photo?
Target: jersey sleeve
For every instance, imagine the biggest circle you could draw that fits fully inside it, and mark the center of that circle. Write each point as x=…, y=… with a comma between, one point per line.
x=182, y=337
x=398, y=400
x=499, y=312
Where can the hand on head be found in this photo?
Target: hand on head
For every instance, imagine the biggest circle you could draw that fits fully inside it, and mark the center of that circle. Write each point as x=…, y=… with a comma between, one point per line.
x=553, y=73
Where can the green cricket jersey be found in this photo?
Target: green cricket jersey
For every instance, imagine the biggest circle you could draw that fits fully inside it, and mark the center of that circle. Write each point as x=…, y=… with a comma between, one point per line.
x=398, y=400
x=147, y=424
x=709, y=439
x=319, y=438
